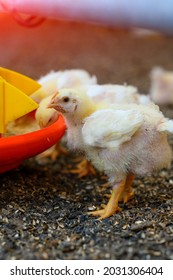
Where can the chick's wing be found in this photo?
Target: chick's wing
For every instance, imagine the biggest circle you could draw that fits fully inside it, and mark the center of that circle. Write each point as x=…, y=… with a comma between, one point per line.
x=110, y=128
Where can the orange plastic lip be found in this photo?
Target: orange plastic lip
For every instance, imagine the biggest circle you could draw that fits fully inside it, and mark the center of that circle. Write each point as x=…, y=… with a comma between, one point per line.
x=15, y=149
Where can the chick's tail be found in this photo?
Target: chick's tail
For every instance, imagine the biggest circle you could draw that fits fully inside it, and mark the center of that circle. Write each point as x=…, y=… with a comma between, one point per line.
x=166, y=125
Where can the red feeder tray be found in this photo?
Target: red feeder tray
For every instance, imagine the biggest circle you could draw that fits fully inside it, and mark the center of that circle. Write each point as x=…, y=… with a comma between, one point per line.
x=15, y=149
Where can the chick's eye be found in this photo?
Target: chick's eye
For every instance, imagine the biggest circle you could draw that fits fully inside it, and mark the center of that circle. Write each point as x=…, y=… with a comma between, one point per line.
x=66, y=99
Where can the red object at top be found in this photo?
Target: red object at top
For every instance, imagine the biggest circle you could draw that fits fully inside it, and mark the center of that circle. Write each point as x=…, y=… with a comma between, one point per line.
x=15, y=149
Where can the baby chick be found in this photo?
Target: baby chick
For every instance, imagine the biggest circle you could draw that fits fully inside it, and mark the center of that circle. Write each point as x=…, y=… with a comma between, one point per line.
x=161, y=90
x=109, y=93
x=120, y=140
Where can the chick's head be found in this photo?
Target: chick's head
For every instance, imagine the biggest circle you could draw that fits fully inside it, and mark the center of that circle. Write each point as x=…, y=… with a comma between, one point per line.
x=72, y=102
x=45, y=116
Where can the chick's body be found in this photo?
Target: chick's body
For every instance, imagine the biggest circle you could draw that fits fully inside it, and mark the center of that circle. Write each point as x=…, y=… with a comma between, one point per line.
x=121, y=140
x=140, y=153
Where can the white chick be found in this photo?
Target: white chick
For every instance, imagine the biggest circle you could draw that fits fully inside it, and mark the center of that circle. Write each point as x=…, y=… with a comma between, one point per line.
x=122, y=140
x=108, y=93
x=60, y=79
x=161, y=90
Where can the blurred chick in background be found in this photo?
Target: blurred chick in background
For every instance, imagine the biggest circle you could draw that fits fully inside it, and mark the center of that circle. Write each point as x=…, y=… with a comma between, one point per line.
x=60, y=79
x=120, y=140
x=161, y=89
x=116, y=94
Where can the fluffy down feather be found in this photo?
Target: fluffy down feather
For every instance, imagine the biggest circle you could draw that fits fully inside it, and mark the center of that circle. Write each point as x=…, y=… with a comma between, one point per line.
x=117, y=127
x=117, y=94
x=166, y=125
x=131, y=144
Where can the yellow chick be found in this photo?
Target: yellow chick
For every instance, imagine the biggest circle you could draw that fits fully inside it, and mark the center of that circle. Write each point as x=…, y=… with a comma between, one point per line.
x=44, y=117
x=120, y=140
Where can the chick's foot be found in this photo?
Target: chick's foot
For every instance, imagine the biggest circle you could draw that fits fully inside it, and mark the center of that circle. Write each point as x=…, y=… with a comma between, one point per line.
x=112, y=206
x=106, y=212
x=83, y=169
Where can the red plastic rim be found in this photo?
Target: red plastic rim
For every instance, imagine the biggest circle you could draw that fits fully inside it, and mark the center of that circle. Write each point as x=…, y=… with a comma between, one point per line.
x=15, y=149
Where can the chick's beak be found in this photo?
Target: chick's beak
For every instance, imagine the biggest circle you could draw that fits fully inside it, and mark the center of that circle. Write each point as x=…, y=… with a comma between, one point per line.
x=52, y=105
x=54, y=101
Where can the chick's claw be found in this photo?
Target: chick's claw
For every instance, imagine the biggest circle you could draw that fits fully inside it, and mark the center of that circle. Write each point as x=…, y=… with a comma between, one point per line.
x=112, y=206
x=106, y=212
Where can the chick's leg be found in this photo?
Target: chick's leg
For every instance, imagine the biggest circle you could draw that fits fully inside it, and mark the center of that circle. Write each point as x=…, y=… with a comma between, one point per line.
x=59, y=150
x=112, y=206
x=52, y=152
x=128, y=190
x=83, y=169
